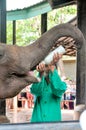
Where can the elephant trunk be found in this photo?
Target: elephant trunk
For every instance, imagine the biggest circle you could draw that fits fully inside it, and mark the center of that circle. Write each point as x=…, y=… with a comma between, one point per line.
x=40, y=48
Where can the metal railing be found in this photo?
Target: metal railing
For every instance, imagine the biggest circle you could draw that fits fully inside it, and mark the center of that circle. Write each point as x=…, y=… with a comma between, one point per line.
x=64, y=125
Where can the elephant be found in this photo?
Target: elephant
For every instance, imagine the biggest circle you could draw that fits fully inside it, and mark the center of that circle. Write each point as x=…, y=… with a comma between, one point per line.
x=17, y=61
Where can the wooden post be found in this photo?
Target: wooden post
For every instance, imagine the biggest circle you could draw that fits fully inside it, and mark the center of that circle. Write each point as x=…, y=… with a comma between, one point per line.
x=14, y=32
x=3, y=40
x=43, y=23
x=81, y=61
x=3, y=21
x=15, y=109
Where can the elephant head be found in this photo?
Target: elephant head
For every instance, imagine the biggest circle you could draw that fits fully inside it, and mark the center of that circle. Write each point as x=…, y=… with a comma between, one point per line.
x=16, y=61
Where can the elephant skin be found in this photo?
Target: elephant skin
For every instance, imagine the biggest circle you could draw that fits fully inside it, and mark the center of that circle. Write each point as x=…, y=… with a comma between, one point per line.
x=17, y=61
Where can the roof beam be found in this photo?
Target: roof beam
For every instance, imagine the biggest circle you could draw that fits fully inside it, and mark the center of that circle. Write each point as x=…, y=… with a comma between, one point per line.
x=37, y=9
x=29, y=12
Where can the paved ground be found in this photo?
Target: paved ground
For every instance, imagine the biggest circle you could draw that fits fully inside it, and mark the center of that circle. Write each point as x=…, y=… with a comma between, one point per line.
x=67, y=115
x=22, y=115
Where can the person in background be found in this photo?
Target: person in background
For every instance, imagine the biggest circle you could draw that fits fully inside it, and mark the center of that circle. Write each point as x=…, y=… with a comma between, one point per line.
x=48, y=93
x=22, y=98
x=30, y=97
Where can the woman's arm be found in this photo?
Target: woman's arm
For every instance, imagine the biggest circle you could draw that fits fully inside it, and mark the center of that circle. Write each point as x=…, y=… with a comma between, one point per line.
x=57, y=85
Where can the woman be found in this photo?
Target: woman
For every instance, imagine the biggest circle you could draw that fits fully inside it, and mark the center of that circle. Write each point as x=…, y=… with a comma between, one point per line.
x=48, y=93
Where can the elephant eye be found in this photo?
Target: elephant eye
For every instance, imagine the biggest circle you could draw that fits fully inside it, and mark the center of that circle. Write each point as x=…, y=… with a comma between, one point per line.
x=16, y=74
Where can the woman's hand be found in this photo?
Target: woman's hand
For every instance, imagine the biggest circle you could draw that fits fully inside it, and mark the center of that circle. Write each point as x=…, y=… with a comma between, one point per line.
x=56, y=58
x=40, y=67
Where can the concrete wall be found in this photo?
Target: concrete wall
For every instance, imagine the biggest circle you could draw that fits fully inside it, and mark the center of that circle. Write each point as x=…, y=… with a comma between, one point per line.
x=70, y=68
x=67, y=67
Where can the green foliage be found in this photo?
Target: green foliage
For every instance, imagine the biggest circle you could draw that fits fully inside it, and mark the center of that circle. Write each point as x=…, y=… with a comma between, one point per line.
x=61, y=15
x=9, y=32
x=29, y=30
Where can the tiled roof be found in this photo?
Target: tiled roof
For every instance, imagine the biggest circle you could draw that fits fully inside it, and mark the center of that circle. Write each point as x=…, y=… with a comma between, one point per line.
x=68, y=42
x=20, y=4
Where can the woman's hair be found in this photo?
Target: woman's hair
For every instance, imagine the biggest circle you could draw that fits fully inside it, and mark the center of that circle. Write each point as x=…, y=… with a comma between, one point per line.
x=46, y=74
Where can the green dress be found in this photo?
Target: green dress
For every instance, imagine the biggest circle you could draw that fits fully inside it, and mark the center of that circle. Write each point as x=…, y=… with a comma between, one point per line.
x=48, y=98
